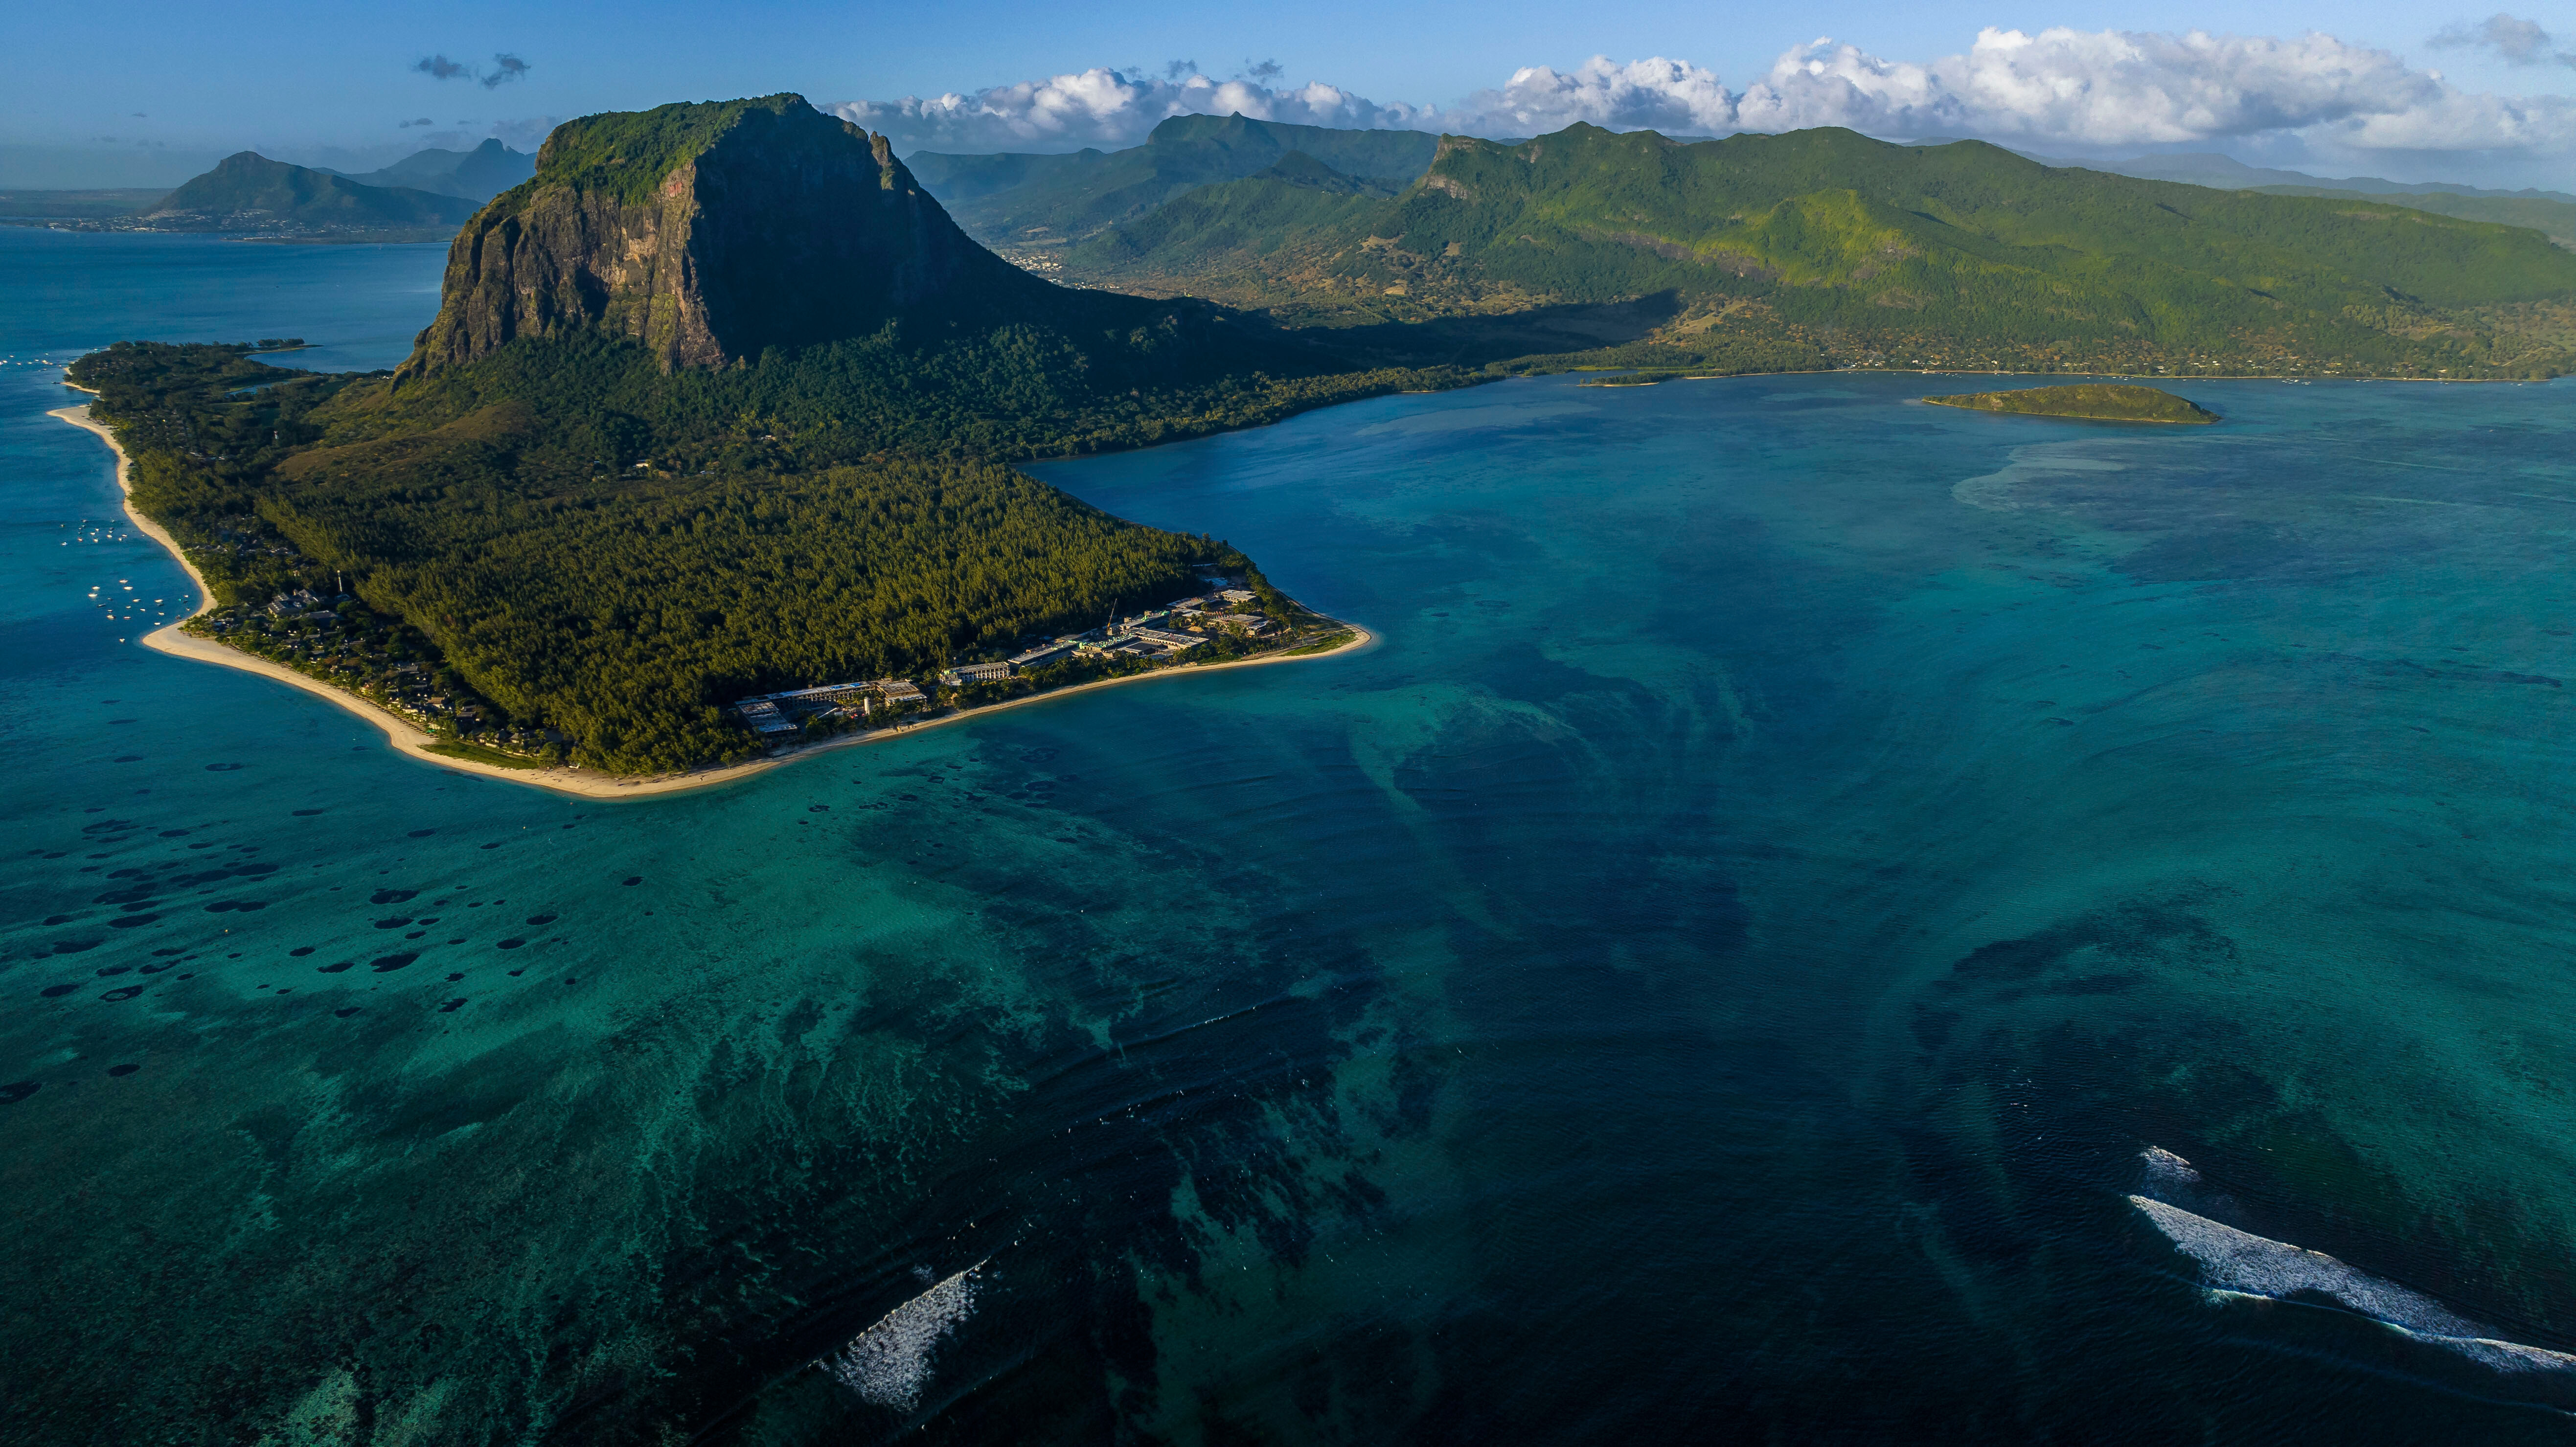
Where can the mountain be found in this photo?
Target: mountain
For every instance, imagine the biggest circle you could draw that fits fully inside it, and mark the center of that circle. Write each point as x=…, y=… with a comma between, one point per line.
x=2553, y=219
x=477, y=175
x=719, y=402
x=1827, y=244
x=249, y=192
x=2552, y=213
x=2228, y=173
x=1019, y=202
x=709, y=239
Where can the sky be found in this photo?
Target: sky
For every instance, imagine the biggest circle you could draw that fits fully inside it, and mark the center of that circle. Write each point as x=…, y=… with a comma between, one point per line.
x=148, y=92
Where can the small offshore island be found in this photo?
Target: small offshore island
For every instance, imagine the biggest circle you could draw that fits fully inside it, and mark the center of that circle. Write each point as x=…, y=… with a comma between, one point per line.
x=2095, y=401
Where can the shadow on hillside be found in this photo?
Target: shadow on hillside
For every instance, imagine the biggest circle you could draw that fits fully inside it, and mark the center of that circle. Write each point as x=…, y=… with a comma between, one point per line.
x=1477, y=340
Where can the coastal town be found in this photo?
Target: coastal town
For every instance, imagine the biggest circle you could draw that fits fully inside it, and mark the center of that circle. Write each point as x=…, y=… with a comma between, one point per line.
x=335, y=638
x=1228, y=622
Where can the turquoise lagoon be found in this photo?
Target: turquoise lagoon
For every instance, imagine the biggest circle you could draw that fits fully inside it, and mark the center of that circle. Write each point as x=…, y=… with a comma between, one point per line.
x=1715, y=969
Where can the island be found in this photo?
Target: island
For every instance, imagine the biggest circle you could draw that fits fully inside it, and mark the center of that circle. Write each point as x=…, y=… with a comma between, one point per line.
x=2097, y=401
x=705, y=461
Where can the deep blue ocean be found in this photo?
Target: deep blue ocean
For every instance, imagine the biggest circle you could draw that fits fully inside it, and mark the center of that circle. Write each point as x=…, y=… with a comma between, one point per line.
x=1823, y=919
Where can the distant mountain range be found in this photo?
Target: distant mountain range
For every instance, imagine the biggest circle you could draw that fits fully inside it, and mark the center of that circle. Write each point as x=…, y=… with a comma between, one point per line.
x=2552, y=213
x=1028, y=205
x=1824, y=247
x=477, y=175
x=423, y=197
x=247, y=192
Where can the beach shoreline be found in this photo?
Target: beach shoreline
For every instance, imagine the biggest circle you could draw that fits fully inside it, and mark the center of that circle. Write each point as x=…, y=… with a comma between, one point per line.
x=413, y=741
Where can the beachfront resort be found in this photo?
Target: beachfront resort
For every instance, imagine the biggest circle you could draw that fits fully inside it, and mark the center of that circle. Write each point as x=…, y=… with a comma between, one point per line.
x=1228, y=623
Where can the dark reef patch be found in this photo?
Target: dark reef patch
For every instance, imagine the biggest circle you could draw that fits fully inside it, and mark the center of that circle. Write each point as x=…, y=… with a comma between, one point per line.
x=387, y=963
x=335, y=968
x=17, y=1091
x=123, y=992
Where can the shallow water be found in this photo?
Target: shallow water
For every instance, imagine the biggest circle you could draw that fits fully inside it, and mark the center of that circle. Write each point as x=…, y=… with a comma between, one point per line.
x=1711, y=969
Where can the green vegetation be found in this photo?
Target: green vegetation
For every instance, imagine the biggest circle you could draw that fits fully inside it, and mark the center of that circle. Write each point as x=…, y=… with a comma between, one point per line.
x=2102, y=401
x=249, y=192
x=477, y=754
x=626, y=155
x=1824, y=248
x=1325, y=644
x=2553, y=219
x=584, y=544
x=1027, y=206
x=622, y=606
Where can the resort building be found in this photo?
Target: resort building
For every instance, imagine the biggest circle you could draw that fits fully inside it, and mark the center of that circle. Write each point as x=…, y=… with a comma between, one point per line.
x=1043, y=654
x=1175, y=642
x=764, y=717
x=975, y=673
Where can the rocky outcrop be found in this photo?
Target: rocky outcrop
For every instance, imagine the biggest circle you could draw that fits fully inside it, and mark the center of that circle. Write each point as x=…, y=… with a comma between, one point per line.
x=708, y=233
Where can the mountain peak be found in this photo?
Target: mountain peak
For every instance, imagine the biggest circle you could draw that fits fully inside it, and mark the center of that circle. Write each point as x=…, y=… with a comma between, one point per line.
x=708, y=232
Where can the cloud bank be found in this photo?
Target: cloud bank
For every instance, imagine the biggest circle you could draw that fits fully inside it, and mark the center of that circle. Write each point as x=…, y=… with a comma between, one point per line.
x=1106, y=108
x=2088, y=90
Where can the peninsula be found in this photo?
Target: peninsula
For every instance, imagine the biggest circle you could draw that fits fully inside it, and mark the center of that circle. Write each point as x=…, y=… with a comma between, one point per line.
x=2098, y=401
x=717, y=410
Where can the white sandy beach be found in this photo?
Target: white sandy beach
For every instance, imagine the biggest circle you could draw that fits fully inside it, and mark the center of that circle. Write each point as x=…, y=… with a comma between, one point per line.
x=410, y=739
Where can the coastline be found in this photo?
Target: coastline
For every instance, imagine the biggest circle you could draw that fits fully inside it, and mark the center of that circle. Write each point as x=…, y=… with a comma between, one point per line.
x=413, y=742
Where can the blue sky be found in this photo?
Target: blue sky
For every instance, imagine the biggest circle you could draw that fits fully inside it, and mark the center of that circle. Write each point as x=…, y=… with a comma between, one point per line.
x=338, y=81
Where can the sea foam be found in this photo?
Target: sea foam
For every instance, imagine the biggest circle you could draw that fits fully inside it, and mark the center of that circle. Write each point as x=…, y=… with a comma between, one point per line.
x=2242, y=1263
x=889, y=1363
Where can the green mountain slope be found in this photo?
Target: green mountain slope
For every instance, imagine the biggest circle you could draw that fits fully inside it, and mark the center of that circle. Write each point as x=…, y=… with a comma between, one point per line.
x=1960, y=255
x=2553, y=219
x=249, y=192
x=1022, y=202
x=716, y=403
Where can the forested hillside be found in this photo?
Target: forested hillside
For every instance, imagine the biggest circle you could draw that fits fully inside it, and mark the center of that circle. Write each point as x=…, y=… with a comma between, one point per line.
x=1031, y=206
x=617, y=486
x=1861, y=252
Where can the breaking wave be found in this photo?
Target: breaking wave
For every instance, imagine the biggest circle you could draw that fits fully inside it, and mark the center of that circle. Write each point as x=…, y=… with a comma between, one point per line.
x=2243, y=1263
x=889, y=1363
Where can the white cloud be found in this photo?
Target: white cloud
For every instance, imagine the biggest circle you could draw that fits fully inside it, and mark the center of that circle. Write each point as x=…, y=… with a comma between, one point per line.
x=1105, y=108
x=2058, y=87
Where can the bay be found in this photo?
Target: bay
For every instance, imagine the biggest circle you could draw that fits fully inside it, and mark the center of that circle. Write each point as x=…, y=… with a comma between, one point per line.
x=1711, y=970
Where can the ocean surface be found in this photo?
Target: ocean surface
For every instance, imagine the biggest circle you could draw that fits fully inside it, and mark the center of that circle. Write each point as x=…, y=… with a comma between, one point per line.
x=1822, y=920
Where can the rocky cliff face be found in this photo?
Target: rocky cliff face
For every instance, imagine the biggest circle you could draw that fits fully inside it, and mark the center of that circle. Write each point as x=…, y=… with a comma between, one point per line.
x=707, y=233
